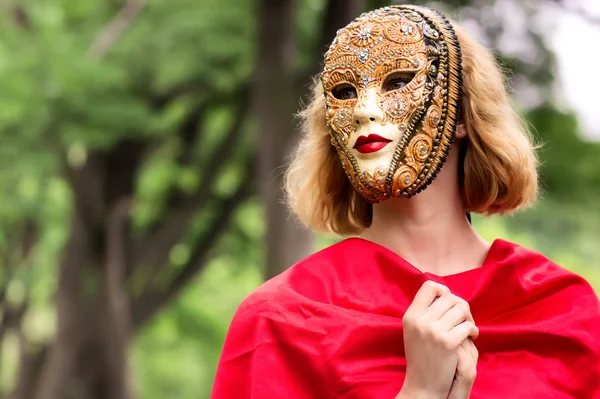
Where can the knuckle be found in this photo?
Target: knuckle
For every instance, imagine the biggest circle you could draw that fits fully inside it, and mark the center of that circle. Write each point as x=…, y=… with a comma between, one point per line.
x=464, y=307
x=470, y=373
x=469, y=326
x=432, y=285
x=448, y=344
x=448, y=297
x=412, y=322
x=461, y=302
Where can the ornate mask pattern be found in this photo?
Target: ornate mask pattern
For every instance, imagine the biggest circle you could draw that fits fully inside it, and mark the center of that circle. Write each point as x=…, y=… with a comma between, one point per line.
x=392, y=82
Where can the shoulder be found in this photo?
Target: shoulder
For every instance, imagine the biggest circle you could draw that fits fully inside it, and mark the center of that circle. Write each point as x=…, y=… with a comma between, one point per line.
x=310, y=277
x=534, y=266
x=538, y=274
x=295, y=300
x=308, y=281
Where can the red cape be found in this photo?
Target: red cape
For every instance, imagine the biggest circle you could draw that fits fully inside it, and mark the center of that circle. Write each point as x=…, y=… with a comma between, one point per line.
x=330, y=327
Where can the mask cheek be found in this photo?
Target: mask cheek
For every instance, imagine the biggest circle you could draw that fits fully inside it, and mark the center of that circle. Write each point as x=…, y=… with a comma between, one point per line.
x=340, y=122
x=395, y=107
x=398, y=107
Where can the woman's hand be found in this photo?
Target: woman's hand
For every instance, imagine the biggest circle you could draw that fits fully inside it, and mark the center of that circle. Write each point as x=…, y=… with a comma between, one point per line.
x=436, y=325
x=466, y=371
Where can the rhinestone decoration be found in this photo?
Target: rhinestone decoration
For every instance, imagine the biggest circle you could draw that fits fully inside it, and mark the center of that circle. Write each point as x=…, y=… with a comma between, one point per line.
x=365, y=33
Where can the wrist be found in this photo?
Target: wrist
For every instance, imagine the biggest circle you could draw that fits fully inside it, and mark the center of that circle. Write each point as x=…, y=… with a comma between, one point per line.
x=410, y=391
x=422, y=394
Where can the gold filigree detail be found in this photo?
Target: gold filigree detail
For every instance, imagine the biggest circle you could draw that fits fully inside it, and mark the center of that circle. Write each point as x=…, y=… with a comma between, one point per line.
x=404, y=176
x=374, y=182
x=418, y=150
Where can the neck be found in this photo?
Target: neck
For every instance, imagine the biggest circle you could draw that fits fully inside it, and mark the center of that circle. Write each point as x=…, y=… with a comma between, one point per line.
x=430, y=230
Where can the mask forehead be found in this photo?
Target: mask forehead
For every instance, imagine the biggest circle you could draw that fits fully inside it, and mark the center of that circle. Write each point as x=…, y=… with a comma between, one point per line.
x=373, y=45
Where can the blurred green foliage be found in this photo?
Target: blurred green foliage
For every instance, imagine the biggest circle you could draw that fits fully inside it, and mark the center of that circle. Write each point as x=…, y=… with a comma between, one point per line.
x=57, y=103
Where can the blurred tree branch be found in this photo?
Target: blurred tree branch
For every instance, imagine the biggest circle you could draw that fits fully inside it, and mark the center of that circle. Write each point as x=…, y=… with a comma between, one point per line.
x=22, y=239
x=21, y=18
x=338, y=13
x=151, y=253
x=118, y=301
x=153, y=298
x=111, y=33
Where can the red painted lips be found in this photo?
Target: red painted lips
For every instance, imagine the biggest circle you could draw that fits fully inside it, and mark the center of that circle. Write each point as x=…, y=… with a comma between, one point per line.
x=371, y=143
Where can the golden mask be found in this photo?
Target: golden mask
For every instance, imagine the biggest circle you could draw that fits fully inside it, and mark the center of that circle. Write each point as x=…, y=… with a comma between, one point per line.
x=392, y=81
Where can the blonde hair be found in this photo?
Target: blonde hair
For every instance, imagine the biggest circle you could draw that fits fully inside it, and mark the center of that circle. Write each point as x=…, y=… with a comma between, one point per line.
x=499, y=170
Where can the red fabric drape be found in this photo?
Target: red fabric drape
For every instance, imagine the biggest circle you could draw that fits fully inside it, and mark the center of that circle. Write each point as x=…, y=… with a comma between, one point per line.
x=331, y=327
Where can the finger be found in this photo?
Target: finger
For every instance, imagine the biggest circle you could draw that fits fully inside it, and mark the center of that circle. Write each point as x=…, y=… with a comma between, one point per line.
x=456, y=315
x=461, y=332
x=440, y=306
x=466, y=372
x=466, y=367
x=471, y=349
x=427, y=294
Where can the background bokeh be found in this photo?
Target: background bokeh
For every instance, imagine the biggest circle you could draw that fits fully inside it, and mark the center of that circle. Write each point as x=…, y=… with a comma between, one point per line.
x=142, y=145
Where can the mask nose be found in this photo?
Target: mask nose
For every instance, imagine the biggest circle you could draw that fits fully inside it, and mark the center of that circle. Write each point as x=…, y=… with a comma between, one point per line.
x=367, y=109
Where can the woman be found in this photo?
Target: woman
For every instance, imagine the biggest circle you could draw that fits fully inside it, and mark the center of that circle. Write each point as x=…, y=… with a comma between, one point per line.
x=409, y=130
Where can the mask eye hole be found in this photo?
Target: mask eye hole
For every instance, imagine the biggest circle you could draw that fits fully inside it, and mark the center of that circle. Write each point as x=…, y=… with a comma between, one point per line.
x=344, y=91
x=397, y=81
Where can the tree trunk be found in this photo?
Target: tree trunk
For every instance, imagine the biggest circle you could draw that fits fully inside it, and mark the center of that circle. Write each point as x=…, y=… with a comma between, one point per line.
x=62, y=357
x=286, y=242
x=88, y=359
x=276, y=98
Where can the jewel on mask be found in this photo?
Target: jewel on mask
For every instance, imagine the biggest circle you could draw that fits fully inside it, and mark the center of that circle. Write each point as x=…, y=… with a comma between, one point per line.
x=364, y=34
x=363, y=55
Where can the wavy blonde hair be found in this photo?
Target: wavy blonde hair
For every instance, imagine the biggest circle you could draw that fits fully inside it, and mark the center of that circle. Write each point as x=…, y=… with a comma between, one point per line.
x=499, y=169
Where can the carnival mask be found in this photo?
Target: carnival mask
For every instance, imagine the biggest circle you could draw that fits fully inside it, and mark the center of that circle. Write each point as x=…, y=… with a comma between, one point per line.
x=392, y=82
